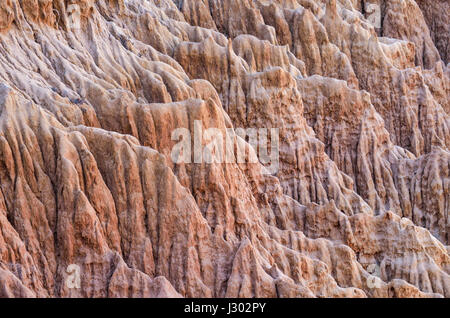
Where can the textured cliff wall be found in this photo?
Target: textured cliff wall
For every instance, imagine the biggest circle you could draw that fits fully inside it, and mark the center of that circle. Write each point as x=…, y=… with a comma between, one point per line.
x=91, y=93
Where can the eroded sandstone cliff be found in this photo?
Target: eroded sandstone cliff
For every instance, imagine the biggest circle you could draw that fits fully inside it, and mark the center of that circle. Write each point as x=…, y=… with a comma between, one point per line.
x=358, y=206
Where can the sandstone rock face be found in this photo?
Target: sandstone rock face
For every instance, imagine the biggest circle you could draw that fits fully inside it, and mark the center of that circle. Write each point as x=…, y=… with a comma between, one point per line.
x=93, y=204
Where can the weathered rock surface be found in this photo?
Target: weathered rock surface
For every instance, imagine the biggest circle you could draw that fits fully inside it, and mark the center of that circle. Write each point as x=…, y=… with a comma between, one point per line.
x=358, y=207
